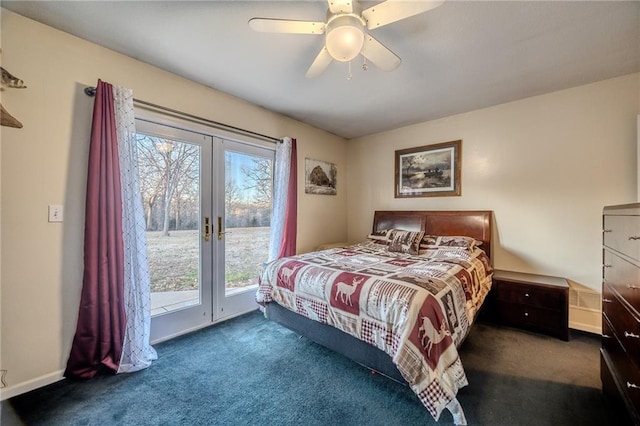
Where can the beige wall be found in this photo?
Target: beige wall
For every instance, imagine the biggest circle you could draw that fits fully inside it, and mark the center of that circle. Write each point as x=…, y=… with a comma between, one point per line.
x=45, y=163
x=545, y=165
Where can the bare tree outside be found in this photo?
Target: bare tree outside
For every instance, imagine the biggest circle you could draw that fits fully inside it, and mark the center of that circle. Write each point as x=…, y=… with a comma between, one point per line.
x=259, y=179
x=232, y=191
x=170, y=179
x=248, y=192
x=168, y=175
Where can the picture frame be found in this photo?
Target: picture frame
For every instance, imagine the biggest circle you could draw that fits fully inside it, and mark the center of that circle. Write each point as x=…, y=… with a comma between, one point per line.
x=321, y=177
x=429, y=171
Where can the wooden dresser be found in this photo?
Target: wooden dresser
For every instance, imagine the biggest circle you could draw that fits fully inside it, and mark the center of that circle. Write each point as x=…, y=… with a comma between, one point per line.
x=533, y=302
x=620, y=353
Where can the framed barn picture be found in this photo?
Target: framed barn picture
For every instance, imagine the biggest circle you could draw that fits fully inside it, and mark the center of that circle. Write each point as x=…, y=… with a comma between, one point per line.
x=320, y=177
x=428, y=171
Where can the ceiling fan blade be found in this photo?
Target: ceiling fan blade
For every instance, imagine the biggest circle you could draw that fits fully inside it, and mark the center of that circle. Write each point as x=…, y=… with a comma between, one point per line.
x=341, y=6
x=268, y=25
x=321, y=62
x=379, y=55
x=391, y=11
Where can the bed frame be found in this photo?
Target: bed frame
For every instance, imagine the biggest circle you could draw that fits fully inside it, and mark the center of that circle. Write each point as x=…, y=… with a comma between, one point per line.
x=476, y=224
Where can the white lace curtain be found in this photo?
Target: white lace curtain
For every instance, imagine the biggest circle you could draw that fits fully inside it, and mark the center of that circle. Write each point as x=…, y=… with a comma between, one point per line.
x=137, y=352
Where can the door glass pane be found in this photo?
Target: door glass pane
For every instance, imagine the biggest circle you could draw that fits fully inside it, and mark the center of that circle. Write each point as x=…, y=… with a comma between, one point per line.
x=170, y=186
x=248, y=189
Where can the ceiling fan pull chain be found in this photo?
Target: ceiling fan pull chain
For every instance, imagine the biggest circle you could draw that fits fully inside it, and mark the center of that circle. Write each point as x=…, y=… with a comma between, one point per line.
x=349, y=75
x=365, y=66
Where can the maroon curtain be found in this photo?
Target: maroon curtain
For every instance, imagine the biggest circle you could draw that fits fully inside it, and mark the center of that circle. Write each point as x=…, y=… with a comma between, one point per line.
x=97, y=345
x=288, y=246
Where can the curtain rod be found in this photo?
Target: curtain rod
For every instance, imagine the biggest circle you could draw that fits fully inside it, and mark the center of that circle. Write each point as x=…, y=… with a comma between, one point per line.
x=91, y=91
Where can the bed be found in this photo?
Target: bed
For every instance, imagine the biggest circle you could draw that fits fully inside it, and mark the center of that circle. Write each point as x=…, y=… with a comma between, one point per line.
x=400, y=302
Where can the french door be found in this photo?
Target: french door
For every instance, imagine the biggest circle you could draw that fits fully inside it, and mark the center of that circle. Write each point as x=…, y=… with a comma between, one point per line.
x=245, y=176
x=207, y=204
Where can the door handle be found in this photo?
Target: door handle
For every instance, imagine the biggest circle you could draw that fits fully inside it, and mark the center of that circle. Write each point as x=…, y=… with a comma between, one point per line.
x=220, y=231
x=206, y=234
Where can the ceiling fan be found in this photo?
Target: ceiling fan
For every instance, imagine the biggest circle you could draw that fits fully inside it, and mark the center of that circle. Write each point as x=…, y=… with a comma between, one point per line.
x=345, y=31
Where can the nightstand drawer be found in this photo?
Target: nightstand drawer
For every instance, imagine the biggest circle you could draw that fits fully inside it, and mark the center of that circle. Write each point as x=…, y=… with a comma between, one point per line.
x=530, y=295
x=529, y=317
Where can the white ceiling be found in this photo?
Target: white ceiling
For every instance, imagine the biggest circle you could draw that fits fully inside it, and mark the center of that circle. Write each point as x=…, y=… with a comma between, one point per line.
x=461, y=56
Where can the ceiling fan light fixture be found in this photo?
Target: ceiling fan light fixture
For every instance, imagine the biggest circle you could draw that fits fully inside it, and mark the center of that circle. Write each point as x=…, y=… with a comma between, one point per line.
x=346, y=31
x=344, y=37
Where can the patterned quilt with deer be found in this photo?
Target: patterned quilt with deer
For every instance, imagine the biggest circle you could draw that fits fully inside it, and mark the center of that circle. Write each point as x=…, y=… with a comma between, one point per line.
x=416, y=308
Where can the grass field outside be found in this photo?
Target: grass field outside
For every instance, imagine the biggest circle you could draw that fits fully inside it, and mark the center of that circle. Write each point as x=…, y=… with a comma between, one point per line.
x=173, y=260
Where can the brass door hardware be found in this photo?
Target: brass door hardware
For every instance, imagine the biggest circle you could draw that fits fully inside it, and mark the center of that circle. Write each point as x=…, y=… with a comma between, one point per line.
x=206, y=234
x=220, y=231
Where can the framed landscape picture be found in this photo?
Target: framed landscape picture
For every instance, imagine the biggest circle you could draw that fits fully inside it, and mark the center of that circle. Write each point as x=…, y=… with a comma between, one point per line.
x=320, y=177
x=428, y=171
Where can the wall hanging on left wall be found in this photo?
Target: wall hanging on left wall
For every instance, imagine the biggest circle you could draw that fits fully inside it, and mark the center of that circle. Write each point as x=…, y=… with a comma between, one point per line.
x=320, y=177
x=11, y=82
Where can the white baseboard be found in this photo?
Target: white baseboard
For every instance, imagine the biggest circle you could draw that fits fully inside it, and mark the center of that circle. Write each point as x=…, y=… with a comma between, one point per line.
x=29, y=385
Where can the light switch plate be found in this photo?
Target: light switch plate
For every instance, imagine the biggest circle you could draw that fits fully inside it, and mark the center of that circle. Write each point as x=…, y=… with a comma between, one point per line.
x=55, y=213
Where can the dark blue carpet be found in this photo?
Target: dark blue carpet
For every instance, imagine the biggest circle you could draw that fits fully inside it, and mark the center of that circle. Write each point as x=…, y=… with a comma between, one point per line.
x=251, y=371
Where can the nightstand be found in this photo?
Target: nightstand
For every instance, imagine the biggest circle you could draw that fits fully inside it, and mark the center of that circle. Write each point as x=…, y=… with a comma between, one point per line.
x=533, y=302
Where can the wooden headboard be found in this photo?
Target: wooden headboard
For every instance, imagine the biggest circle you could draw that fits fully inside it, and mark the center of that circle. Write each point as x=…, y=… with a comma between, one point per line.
x=476, y=224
